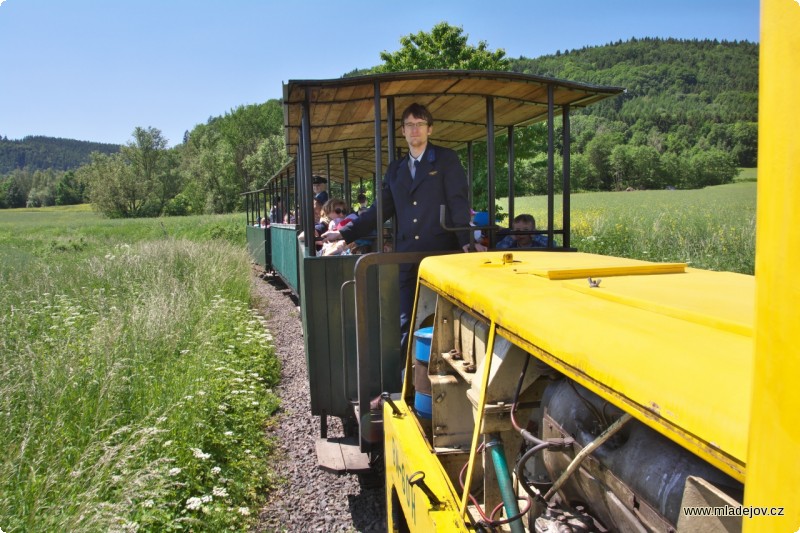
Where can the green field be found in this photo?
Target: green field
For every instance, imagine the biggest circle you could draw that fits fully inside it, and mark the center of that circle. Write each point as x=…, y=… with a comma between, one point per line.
x=135, y=380
x=711, y=228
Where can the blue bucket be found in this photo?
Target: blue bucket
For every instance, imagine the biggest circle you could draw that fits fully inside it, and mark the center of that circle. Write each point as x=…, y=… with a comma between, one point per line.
x=422, y=344
x=422, y=404
x=422, y=383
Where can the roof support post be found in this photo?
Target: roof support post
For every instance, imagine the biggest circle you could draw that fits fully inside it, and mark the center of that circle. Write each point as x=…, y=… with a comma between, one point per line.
x=346, y=179
x=391, y=142
x=305, y=179
x=391, y=139
x=378, y=165
x=470, y=171
x=550, y=163
x=511, y=159
x=567, y=188
x=490, y=162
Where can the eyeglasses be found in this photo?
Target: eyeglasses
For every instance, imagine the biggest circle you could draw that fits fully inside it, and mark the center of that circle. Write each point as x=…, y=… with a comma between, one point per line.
x=338, y=211
x=415, y=125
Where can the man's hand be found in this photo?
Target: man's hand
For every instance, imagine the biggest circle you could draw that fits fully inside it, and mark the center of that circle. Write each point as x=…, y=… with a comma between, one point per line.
x=331, y=236
x=477, y=248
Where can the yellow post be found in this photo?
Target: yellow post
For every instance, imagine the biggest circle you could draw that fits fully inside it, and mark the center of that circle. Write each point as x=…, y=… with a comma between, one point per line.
x=476, y=434
x=773, y=465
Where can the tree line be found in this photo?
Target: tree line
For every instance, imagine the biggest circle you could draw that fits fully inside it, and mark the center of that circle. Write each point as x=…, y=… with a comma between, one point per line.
x=687, y=120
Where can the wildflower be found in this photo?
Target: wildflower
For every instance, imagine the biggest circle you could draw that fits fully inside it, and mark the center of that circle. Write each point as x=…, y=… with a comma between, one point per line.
x=167, y=443
x=214, y=471
x=174, y=471
x=199, y=454
x=244, y=511
x=228, y=433
x=194, y=503
x=220, y=492
x=148, y=504
x=206, y=498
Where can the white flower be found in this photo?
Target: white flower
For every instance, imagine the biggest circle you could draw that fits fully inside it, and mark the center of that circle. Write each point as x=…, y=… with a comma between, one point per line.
x=148, y=504
x=199, y=454
x=207, y=498
x=219, y=492
x=244, y=511
x=174, y=471
x=216, y=470
x=193, y=503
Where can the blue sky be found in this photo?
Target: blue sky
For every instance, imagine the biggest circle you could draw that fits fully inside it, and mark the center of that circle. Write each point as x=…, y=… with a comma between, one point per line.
x=96, y=69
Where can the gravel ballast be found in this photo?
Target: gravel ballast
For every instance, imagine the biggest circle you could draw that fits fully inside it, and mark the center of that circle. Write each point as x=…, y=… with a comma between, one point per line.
x=310, y=499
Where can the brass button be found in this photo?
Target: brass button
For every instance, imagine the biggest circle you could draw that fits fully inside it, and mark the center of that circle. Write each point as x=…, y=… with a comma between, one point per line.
x=416, y=237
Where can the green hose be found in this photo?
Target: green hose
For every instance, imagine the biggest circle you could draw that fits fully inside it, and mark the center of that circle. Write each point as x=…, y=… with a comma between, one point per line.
x=495, y=446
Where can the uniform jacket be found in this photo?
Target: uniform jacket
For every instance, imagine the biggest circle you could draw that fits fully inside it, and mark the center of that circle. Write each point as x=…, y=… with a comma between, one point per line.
x=439, y=179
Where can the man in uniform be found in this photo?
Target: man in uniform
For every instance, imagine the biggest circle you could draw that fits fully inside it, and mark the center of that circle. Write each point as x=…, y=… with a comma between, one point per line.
x=413, y=189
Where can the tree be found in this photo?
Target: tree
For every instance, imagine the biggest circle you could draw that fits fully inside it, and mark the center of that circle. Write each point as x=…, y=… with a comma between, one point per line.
x=69, y=191
x=445, y=47
x=151, y=166
x=711, y=167
x=267, y=160
x=112, y=187
x=220, y=159
x=598, y=152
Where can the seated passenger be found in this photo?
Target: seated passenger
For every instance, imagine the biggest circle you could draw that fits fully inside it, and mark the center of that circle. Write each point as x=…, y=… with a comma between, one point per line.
x=521, y=223
x=362, y=203
x=480, y=219
x=339, y=247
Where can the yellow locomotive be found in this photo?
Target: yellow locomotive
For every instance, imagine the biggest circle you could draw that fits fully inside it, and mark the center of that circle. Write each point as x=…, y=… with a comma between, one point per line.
x=575, y=392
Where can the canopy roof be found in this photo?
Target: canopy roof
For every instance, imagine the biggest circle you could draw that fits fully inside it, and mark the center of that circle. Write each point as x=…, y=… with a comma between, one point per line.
x=342, y=111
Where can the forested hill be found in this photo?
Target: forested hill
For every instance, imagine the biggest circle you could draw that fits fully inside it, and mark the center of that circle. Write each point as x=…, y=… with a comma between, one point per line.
x=681, y=94
x=41, y=153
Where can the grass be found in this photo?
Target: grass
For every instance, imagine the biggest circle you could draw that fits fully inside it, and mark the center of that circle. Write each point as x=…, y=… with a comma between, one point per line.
x=135, y=382
x=711, y=228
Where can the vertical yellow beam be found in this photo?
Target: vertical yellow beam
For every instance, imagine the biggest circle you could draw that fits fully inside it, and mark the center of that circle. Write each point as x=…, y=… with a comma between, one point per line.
x=773, y=463
x=476, y=434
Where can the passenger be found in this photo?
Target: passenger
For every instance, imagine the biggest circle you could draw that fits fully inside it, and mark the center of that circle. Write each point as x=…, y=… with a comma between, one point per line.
x=264, y=223
x=336, y=211
x=275, y=213
x=318, y=205
x=320, y=186
x=413, y=189
x=339, y=247
x=321, y=221
x=362, y=203
x=481, y=219
x=523, y=222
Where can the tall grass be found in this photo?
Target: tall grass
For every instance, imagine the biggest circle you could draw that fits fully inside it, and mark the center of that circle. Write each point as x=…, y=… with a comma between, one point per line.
x=134, y=379
x=711, y=228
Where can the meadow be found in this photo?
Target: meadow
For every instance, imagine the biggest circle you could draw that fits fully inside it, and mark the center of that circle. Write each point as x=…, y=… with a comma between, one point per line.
x=135, y=381
x=711, y=228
